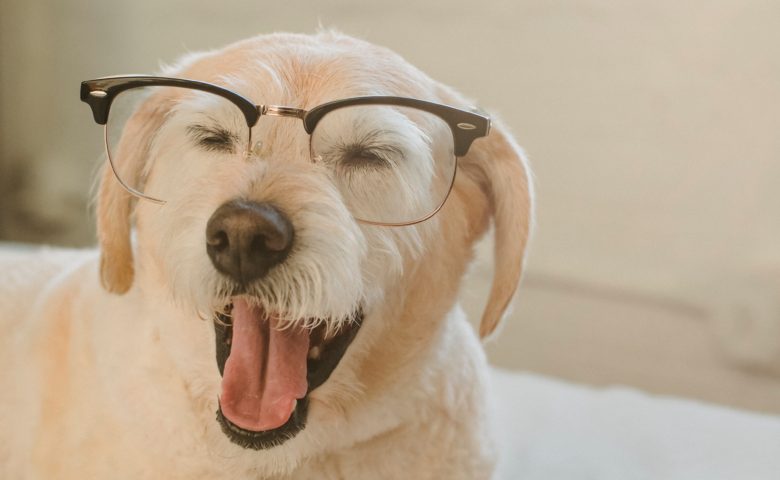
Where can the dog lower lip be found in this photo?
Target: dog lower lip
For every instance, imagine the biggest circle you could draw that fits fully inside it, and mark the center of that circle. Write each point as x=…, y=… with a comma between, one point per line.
x=323, y=356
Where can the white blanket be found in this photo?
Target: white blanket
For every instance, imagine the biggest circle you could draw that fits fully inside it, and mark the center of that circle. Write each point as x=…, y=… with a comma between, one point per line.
x=552, y=430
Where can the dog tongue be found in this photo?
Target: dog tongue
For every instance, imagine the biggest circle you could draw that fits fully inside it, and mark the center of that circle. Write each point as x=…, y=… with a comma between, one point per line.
x=265, y=372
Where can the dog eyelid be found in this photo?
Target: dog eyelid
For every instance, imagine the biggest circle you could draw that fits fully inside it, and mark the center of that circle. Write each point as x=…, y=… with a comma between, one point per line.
x=366, y=152
x=379, y=155
x=213, y=138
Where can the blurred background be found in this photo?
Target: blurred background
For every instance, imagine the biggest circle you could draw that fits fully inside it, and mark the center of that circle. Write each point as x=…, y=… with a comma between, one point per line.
x=652, y=129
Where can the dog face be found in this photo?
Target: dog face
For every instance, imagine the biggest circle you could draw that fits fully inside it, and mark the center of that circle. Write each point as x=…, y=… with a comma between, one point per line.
x=322, y=290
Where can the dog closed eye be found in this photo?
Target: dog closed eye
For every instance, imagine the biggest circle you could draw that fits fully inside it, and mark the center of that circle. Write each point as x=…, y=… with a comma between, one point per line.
x=213, y=138
x=374, y=149
x=369, y=156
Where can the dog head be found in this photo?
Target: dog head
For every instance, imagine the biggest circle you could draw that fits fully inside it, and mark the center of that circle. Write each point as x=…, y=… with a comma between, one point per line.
x=267, y=249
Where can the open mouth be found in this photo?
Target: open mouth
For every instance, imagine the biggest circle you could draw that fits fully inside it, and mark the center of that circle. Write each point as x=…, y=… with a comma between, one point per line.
x=268, y=371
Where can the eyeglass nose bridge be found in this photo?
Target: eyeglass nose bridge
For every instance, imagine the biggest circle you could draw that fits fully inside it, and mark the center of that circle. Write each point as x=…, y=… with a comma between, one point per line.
x=281, y=111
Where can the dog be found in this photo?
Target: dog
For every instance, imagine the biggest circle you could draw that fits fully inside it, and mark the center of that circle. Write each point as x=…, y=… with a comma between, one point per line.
x=108, y=356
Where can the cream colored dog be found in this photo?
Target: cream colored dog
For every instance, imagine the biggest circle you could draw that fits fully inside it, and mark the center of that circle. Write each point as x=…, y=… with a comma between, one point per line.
x=119, y=380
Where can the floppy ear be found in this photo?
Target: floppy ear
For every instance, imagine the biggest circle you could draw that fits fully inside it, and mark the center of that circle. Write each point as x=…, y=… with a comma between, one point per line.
x=115, y=204
x=500, y=168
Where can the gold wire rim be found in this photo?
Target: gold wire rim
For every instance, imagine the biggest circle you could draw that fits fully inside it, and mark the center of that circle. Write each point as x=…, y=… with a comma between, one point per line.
x=421, y=219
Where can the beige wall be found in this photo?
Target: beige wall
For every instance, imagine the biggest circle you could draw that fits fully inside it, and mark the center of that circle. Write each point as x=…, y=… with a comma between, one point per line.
x=652, y=128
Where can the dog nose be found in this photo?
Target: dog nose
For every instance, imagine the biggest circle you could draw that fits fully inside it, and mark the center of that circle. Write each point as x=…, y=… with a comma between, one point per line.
x=246, y=239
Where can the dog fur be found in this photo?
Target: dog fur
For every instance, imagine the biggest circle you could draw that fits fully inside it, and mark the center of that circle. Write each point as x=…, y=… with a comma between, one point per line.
x=109, y=359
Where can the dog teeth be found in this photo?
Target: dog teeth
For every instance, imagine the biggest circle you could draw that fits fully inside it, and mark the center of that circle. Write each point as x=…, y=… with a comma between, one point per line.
x=314, y=352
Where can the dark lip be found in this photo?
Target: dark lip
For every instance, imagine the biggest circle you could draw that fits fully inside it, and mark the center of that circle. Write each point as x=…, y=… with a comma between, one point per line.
x=318, y=372
x=269, y=438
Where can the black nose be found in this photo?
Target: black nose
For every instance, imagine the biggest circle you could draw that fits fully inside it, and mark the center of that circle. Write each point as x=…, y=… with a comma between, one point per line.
x=246, y=239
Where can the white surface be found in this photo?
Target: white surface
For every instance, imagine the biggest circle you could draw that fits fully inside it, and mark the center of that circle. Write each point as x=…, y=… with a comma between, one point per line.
x=550, y=430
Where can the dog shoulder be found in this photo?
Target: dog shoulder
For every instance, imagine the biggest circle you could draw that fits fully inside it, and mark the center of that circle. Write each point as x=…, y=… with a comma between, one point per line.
x=37, y=290
x=30, y=282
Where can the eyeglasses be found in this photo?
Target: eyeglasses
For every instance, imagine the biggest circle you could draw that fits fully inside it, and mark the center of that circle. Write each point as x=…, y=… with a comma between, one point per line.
x=393, y=159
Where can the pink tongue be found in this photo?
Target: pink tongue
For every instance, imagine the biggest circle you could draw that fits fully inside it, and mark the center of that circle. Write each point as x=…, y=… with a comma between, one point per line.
x=265, y=372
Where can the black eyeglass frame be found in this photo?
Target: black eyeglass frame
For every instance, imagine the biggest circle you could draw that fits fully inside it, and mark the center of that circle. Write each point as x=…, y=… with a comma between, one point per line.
x=466, y=126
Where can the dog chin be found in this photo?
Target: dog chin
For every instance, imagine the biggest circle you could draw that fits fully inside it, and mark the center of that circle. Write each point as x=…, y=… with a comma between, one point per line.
x=269, y=365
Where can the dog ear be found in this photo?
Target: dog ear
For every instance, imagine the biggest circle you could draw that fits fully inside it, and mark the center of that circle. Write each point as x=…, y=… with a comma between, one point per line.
x=115, y=204
x=500, y=168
